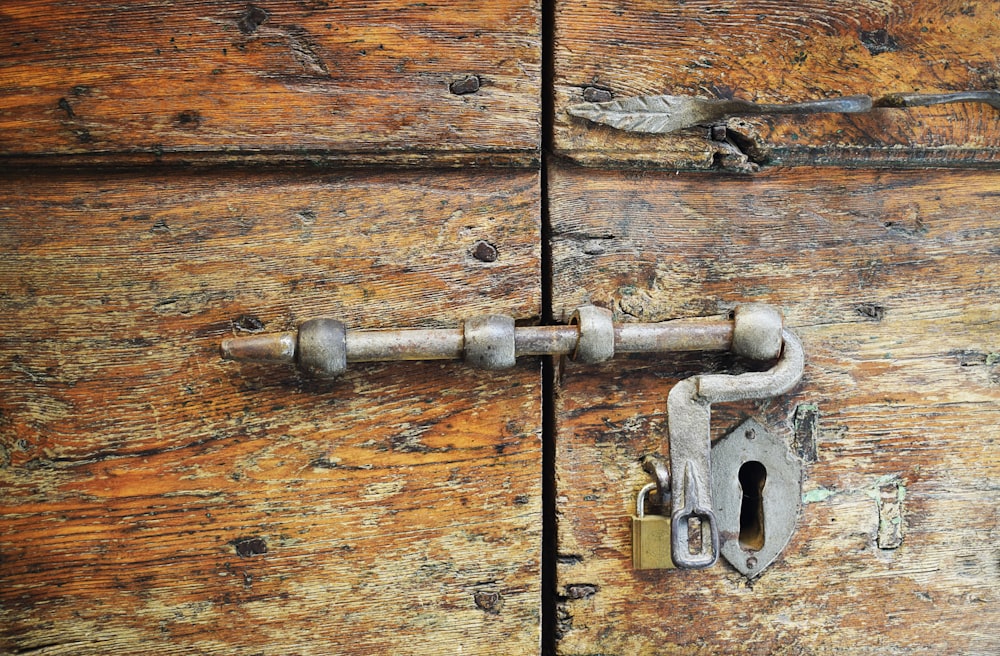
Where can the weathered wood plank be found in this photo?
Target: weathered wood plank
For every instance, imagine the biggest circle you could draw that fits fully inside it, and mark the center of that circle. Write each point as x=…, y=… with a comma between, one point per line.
x=782, y=52
x=890, y=281
x=158, y=499
x=280, y=81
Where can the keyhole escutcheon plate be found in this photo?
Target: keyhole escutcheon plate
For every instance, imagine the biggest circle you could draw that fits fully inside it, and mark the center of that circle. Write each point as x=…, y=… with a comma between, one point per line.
x=757, y=492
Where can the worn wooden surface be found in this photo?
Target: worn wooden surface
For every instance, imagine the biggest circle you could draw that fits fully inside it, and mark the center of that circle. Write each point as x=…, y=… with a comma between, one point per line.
x=276, y=81
x=155, y=499
x=782, y=52
x=890, y=279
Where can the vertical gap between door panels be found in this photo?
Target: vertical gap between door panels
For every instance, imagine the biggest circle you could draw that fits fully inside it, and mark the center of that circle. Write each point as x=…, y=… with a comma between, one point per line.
x=549, y=537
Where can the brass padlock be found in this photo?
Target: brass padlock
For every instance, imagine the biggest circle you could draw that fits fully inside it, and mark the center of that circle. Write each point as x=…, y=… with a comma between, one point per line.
x=650, y=536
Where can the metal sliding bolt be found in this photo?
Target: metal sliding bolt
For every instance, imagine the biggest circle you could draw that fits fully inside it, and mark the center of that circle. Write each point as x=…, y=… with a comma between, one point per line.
x=323, y=347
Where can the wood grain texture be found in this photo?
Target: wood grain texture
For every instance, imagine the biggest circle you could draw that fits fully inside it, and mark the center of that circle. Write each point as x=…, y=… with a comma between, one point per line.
x=890, y=279
x=275, y=81
x=782, y=52
x=155, y=499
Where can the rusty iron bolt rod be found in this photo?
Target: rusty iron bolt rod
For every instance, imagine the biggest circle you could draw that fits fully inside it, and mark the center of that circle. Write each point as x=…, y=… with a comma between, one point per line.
x=323, y=347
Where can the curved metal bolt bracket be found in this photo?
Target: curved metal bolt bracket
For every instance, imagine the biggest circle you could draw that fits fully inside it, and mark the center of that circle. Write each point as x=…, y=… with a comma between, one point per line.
x=596, y=342
x=322, y=347
x=689, y=406
x=489, y=341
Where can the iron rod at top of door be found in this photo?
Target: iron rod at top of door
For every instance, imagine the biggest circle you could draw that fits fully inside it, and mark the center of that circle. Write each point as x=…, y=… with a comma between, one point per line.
x=667, y=113
x=323, y=347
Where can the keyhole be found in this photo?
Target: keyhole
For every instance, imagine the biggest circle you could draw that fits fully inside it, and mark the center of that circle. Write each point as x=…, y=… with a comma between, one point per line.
x=753, y=476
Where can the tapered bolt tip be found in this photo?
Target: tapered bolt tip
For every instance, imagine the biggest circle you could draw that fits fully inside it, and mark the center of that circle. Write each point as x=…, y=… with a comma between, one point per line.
x=596, y=340
x=260, y=348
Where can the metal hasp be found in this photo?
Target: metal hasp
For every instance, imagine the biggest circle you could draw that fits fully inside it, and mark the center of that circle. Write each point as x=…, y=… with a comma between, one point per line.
x=757, y=488
x=759, y=333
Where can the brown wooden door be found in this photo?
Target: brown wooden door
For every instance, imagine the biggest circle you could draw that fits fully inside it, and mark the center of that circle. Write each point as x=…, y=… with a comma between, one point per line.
x=888, y=276
x=156, y=499
x=173, y=174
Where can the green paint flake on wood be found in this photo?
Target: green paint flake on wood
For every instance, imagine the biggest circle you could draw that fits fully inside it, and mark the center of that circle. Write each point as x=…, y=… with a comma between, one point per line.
x=817, y=495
